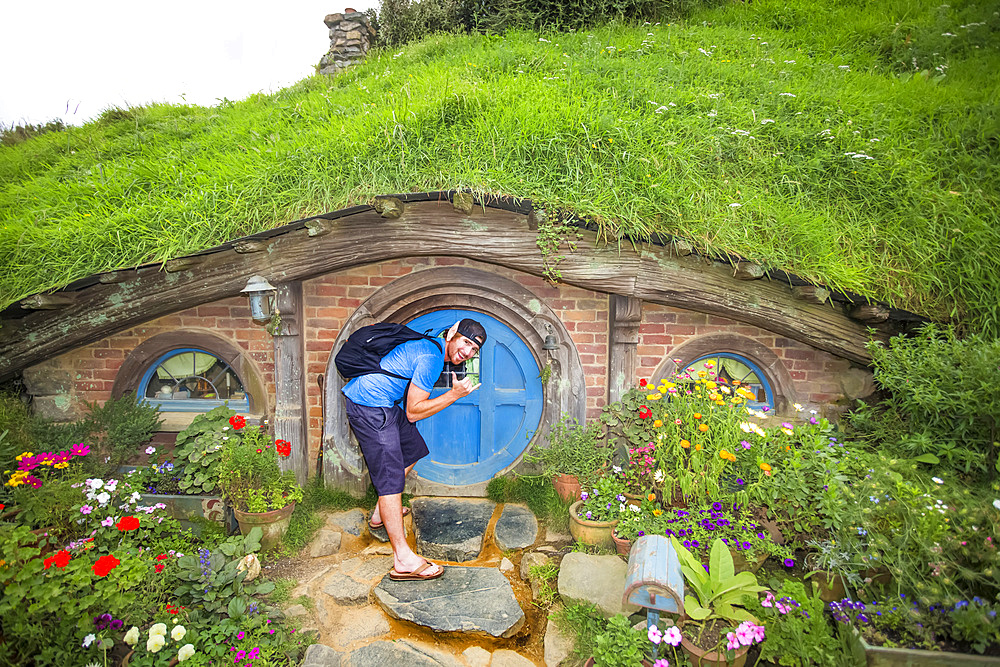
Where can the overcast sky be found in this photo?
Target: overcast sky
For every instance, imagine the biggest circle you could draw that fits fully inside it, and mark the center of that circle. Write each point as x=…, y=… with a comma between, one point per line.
x=72, y=60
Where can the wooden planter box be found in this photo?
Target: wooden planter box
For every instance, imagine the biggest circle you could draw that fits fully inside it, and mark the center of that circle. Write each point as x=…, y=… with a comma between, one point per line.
x=184, y=508
x=879, y=656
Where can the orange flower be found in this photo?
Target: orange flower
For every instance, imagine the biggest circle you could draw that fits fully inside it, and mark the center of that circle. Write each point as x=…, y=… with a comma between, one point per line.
x=727, y=455
x=651, y=497
x=765, y=467
x=697, y=448
x=702, y=427
x=697, y=415
x=657, y=423
x=685, y=444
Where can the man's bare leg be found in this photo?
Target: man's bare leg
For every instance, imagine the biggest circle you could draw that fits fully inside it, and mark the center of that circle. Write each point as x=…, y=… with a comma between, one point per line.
x=376, y=517
x=403, y=557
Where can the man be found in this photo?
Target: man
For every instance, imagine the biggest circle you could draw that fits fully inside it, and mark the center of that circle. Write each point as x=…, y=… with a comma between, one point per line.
x=389, y=438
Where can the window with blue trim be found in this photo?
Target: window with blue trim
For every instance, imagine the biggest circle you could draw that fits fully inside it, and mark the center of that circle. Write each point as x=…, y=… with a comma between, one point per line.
x=734, y=370
x=192, y=380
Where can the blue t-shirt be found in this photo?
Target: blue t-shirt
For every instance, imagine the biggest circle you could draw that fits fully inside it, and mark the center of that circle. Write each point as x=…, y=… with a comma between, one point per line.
x=421, y=359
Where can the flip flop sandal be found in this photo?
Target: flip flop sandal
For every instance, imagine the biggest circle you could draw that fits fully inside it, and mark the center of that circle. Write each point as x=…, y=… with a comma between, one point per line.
x=406, y=510
x=415, y=575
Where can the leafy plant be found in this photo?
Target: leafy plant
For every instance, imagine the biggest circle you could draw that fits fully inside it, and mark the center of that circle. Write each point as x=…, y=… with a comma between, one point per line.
x=619, y=644
x=797, y=630
x=572, y=449
x=718, y=591
x=199, y=449
x=604, y=501
x=248, y=473
x=213, y=580
x=120, y=426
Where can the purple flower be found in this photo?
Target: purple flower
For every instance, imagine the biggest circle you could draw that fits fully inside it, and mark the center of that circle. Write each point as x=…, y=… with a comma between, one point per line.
x=739, y=481
x=789, y=562
x=813, y=420
x=641, y=533
x=584, y=495
x=746, y=545
x=589, y=515
x=746, y=445
x=717, y=506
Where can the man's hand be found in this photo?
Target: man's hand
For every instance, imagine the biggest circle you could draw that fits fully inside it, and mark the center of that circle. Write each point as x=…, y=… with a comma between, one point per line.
x=462, y=387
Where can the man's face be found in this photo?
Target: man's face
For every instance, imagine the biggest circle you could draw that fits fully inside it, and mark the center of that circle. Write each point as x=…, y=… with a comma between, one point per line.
x=461, y=349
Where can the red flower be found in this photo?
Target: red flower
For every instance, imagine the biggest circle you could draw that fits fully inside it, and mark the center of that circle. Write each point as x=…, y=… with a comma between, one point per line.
x=237, y=422
x=104, y=565
x=162, y=557
x=127, y=523
x=284, y=447
x=159, y=567
x=642, y=382
x=60, y=559
x=645, y=413
x=260, y=451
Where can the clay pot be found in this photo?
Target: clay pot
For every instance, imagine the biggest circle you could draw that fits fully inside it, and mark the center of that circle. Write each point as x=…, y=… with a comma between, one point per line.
x=623, y=547
x=567, y=486
x=590, y=663
x=830, y=586
x=634, y=499
x=700, y=657
x=596, y=533
x=273, y=524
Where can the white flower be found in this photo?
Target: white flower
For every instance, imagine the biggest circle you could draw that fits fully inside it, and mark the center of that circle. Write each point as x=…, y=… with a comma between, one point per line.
x=766, y=121
x=132, y=636
x=659, y=476
x=88, y=640
x=937, y=480
x=95, y=483
x=178, y=633
x=785, y=95
x=103, y=498
x=996, y=503
x=186, y=652
x=150, y=450
x=155, y=642
x=735, y=205
x=621, y=507
x=135, y=497
x=158, y=629
x=798, y=407
x=617, y=469
x=634, y=509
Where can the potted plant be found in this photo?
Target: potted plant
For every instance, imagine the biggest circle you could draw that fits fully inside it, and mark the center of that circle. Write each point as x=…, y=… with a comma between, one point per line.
x=252, y=481
x=644, y=518
x=574, y=455
x=619, y=645
x=831, y=569
x=594, y=516
x=798, y=632
x=716, y=606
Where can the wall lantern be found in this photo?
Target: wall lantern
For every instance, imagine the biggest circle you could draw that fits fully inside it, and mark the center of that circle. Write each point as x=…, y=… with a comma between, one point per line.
x=261, y=295
x=550, y=344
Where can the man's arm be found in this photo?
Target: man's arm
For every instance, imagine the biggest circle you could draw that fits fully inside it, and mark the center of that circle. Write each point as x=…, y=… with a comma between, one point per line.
x=419, y=404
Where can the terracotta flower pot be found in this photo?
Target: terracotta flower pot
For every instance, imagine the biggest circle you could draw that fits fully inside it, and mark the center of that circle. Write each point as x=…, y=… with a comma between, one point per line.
x=634, y=498
x=590, y=663
x=830, y=586
x=273, y=524
x=567, y=486
x=596, y=533
x=700, y=657
x=623, y=547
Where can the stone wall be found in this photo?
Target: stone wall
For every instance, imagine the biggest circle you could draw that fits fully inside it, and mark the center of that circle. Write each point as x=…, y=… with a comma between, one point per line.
x=351, y=35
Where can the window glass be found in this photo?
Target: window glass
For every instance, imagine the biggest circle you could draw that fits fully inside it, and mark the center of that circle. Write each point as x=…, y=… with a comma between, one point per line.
x=193, y=380
x=735, y=370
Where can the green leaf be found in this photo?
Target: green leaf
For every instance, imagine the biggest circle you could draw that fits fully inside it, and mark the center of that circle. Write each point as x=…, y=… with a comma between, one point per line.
x=237, y=607
x=721, y=562
x=227, y=548
x=927, y=458
x=265, y=587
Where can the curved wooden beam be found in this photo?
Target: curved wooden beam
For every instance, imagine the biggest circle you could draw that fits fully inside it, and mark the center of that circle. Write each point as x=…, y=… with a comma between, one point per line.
x=648, y=272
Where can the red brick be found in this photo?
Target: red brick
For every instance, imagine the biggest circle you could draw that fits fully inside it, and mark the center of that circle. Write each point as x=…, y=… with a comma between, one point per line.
x=653, y=339
x=692, y=318
x=352, y=279
x=349, y=303
x=315, y=412
x=799, y=354
x=84, y=385
x=89, y=364
x=233, y=323
x=103, y=374
x=588, y=359
x=650, y=362
x=359, y=292
x=591, y=348
x=780, y=341
x=395, y=269
x=112, y=353
x=203, y=322
x=579, y=315
x=331, y=290
x=720, y=321
x=326, y=334
x=803, y=365
x=318, y=346
x=212, y=311
x=380, y=281
x=592, y=326
x=651, y=328
x=561, y=304
x=680, y=330
x=596, y=391
x=449, y=261
x=797, y=375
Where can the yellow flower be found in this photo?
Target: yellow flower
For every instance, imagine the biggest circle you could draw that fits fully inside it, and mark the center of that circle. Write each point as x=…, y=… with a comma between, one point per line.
x=61, y=465
x=657, y=423
x=798, y=406
x=787, y=431
x=765, y=467
x=697, y=415
x=711, y=385
x=655, y=513
x=685, y=444
x=746, y=427
x=654, y=397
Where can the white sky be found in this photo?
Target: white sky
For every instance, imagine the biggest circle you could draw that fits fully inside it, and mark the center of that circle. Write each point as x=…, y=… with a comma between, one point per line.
x=72, y=59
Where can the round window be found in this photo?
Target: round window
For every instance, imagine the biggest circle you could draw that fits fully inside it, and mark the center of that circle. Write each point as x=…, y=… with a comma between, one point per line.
x=735, y=370
x=192, y=380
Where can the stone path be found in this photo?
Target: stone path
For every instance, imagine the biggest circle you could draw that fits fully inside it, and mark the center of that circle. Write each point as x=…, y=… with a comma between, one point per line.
x=478, y=614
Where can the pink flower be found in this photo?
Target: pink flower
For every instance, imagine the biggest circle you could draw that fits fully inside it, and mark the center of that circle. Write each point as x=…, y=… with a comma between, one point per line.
x=783, y=608
x=108, y=521
x=766, y=602
x=654, y=634
x=662, y=662
x=86, y=509
x=744, y=635
x=672, y=636
x=733, y=643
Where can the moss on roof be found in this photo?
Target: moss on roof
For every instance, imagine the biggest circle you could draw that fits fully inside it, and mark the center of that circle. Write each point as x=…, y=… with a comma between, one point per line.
x=852, y=145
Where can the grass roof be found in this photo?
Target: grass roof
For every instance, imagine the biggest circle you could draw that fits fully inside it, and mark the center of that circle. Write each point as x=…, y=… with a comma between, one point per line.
x=856, y=144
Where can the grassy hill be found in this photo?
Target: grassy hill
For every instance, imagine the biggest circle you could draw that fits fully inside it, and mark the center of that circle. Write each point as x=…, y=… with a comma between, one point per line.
x=856, y=144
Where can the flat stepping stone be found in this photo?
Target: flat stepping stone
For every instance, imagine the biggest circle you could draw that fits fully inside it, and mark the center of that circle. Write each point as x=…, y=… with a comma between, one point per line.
x=319, y=655
x=451, y=529
x=475, y=600
x=353, y=580
x=345, y=590
x=597, y=580
x=366, y=623
x=402, y=652
x=517, y=528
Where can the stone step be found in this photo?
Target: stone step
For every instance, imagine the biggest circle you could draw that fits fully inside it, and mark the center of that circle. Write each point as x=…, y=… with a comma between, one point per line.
x=452, y=529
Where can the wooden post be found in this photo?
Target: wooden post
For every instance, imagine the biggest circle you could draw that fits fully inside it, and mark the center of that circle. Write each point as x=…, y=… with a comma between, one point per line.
x=626, y=316
x=289, y=379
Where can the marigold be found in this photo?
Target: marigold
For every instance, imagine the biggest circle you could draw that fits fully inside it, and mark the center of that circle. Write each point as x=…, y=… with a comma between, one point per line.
x=702, y=427
x=765, y=467
x=697, y=415
x=685, y=444
x=657, y=423
x=651, y=497
x=697, y=448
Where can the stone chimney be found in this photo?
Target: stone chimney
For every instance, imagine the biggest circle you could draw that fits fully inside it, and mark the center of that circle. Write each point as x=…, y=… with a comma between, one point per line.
x=351, y=35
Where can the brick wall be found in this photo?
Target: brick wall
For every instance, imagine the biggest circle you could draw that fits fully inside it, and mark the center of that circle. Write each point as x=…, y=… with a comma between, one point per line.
x=330, y=300
x=814, y=373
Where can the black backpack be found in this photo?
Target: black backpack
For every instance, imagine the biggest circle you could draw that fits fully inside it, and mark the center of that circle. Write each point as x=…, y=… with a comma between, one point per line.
x=364, y=348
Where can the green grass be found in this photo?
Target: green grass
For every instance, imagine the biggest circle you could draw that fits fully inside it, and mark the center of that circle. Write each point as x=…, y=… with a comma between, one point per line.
x=655, y=128
x=535, y=492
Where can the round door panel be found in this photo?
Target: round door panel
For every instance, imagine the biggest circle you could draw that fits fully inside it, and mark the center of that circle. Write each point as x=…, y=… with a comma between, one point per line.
x=479, y=435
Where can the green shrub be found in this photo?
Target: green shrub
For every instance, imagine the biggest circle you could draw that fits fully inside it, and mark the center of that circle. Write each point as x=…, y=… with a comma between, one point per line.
x=943, y=407
x=199, y=448
x=572, y=449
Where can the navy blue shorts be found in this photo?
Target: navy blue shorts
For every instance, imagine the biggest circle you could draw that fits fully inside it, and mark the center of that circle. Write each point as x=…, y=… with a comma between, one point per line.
x=389, y=442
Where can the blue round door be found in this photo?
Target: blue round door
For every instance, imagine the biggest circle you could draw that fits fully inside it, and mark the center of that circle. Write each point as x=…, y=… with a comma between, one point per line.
x=480, y=434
